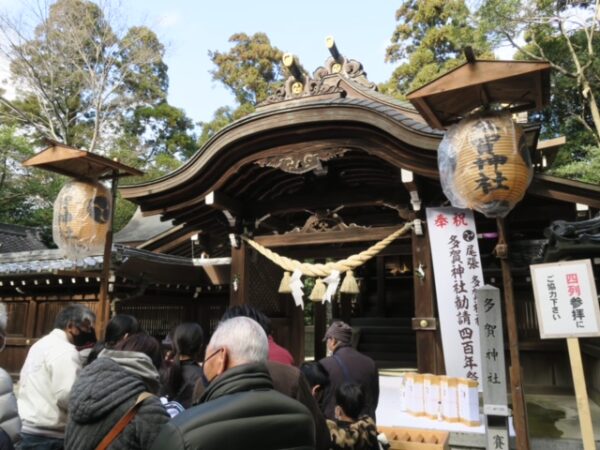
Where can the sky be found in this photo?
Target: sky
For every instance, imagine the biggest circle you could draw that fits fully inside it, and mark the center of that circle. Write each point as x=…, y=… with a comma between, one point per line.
x=189, y=29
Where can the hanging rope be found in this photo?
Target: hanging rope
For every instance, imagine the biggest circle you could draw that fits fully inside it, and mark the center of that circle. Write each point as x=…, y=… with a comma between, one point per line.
x=324, y=270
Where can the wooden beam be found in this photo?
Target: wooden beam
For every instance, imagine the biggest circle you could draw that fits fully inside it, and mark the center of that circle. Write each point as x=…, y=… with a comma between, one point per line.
x=430, y=358
x=219, y=200
x=409, y=181
x=326, y=237
x=516, y=381
x=175, y=242
x=326, y=200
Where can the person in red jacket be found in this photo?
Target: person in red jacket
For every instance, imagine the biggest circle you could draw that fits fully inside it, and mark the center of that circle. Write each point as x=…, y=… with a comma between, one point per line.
x=277, y=353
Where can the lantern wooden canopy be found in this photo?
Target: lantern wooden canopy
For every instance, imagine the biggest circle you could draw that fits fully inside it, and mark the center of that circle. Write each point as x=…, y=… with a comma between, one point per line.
x=517, y=85
x=78, y=163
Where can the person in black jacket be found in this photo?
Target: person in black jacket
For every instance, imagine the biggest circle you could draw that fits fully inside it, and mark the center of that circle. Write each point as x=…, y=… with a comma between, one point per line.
x=108, y=387
x=347, y=365
x=239, y=409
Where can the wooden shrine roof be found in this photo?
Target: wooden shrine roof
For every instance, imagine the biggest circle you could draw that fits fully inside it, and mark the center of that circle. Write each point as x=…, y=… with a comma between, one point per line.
x=16, y=238
x=362, y=138
x=134, y=264
x=520, y=85
x=78, y=163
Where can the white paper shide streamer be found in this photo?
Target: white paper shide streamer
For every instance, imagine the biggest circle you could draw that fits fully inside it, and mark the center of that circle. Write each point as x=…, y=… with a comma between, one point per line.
x=332, y=281
x=296, y=286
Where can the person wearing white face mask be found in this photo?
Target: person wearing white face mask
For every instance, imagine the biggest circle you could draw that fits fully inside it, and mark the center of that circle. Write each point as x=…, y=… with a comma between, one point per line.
x=239, y=408
x=347, y=365
x=10, y=424
x=49, y=371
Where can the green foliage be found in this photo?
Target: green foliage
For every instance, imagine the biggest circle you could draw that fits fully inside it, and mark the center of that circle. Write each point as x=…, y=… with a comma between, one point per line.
x=252, y=70
x=586, y=166
x=428, y=41
x=89, y=84
x=26, y=195
x=563, y=33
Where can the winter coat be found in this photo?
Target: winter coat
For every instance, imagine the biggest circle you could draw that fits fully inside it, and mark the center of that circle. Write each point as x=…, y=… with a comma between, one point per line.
x=103, y=393
x=191, y=372
x=279, y=354
x=359, y=435
x=241, y=410
x=9, y=415
x=359, y=369
x=47, y=376
x=289, y=381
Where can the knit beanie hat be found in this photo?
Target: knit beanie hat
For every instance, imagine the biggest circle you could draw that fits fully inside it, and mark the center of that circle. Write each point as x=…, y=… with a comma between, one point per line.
x=340, y=331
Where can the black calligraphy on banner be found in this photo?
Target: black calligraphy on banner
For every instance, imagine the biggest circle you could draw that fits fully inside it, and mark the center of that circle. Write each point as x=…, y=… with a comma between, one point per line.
x=553, y=296
x=461, y=300
x=484, y=137
x=457, y=270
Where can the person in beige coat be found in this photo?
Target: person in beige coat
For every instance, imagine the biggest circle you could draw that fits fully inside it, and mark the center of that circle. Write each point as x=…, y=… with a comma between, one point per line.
x=10, y=423
x=47, y=376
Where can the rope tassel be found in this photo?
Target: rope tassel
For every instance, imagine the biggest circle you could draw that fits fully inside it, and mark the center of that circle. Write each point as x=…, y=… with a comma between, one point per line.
x=318, y=292
x=284, y=286
x=349, y=285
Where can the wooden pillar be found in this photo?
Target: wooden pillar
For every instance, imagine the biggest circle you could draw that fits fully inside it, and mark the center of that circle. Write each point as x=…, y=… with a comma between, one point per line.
x=346, y=309
x=516, y=382
x=320, y=320
x=296, y=317
x=430, y=357
x=103, y=315
x=237, y=289
x=380, y=287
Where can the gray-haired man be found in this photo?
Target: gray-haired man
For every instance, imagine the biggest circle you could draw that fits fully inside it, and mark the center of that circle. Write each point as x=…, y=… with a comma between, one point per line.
x=239, y=409
x=47, y=376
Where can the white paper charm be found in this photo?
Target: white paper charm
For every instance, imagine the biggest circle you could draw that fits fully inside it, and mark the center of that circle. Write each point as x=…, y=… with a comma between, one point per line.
x=296, y=285
x=332, y=281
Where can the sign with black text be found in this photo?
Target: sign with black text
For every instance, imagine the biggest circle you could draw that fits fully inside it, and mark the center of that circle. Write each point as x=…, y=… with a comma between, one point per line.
x=566, y=300
x=458, y=274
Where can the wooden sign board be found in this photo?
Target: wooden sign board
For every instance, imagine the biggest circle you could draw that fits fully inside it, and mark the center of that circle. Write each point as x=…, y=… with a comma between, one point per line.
x=566, y=299
x=492, y=351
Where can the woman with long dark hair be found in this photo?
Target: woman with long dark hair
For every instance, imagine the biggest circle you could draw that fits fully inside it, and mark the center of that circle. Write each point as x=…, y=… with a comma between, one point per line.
x=118, y=328
x=184, y=369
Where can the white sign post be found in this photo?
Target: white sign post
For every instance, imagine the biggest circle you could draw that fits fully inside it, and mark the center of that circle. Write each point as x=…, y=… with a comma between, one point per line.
x=567, y=307
x=458, y=274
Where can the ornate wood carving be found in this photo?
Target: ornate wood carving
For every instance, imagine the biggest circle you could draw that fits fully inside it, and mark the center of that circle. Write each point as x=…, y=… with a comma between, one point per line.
x=294, y=89
x=323, y=80
x=323, y=221
x=349, y=68
x=299, y=163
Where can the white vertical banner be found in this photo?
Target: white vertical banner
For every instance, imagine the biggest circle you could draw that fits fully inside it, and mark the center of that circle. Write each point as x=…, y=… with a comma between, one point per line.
x=458, y=274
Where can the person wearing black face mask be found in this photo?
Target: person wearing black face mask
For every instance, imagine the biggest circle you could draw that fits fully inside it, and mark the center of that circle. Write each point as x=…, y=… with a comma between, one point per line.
x=49, y=371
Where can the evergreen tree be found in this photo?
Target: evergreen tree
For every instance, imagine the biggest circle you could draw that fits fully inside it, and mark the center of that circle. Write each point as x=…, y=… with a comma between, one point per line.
x=565, y=34
x=428, y=41
x=252, y=70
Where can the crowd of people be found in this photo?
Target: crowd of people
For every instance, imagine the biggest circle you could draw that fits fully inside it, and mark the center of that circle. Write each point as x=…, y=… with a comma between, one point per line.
x=130, y=392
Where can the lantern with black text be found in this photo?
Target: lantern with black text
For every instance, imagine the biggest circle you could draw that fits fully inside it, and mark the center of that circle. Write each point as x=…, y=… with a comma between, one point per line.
x=81, y=218
x=484, y=164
